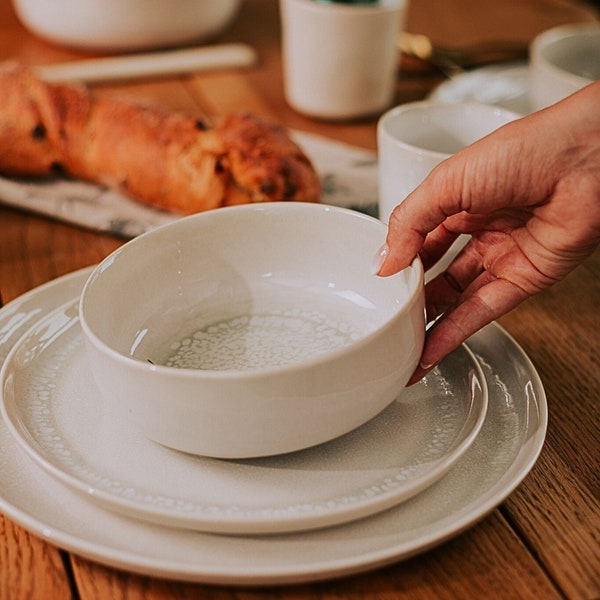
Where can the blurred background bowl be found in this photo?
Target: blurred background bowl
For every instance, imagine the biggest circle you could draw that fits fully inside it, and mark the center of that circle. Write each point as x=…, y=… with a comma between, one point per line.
x=126, y=25
x=563, y=60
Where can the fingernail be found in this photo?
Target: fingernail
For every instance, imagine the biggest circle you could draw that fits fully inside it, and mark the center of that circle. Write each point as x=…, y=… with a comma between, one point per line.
x=426, y=366
x=379, y=259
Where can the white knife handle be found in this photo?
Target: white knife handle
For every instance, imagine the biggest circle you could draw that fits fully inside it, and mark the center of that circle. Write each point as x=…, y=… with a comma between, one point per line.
x=170, y=62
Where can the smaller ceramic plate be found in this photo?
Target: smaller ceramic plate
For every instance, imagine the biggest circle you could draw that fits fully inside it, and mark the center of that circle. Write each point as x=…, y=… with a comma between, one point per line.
x=54, y=410
x=505, y=85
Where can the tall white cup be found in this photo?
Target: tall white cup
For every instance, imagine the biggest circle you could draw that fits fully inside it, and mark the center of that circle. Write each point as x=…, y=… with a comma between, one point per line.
x=413, y=138
x=340, y=60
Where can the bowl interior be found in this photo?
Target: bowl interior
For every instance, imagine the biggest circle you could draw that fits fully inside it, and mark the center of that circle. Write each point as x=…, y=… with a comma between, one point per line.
x=442, y=128
x=577, y=53
x=246, y=288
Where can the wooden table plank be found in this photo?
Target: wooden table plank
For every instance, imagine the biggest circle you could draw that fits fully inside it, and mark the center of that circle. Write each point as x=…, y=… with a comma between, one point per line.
x=498, y=565
x=34, y=250
x=565, y=533
x=463, y=23
x=29, y=567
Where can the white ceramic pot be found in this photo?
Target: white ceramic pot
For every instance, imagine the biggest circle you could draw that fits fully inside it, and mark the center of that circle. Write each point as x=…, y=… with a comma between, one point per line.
x=116, y=25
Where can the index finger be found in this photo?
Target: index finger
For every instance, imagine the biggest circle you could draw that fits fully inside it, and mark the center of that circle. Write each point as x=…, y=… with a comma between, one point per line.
x=409, y=224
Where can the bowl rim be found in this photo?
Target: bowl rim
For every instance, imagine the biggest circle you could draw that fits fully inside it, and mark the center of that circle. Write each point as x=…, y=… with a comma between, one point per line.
x=556, y=34
x=319, y=360
x=504, y=116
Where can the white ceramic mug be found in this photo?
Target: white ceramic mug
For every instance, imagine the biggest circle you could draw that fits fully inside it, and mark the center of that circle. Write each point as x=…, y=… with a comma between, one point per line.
x=340, y=60
x=413, y=138
x=562, y=60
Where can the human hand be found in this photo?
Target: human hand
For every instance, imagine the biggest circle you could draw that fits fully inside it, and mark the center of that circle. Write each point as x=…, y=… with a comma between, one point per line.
x=529, y=196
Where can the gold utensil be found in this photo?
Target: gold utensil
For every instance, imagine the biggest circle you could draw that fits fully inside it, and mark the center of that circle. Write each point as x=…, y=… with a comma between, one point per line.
x=453, y=60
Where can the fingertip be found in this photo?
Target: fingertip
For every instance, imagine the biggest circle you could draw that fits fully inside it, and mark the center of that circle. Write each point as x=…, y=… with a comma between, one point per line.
x=416, y=376
x=420, y=372
x=387, y=262
x=379, y=259
x=426, y=366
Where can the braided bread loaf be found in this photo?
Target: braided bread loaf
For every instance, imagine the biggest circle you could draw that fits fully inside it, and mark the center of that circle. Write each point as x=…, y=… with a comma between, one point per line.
x=166, y=159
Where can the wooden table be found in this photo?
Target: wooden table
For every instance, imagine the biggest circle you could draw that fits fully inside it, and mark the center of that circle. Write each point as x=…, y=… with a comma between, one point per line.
x=544, y=540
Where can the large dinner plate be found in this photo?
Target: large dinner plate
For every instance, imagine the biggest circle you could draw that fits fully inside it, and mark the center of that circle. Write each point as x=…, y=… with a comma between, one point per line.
x=55, y=411
x=503, y=453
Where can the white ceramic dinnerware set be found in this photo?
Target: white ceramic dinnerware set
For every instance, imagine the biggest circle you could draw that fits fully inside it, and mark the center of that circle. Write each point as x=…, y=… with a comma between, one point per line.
x=247, y=333
x=239, y=374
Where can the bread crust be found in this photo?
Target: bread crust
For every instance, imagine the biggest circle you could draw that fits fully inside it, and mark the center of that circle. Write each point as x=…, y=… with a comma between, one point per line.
x=167, y=159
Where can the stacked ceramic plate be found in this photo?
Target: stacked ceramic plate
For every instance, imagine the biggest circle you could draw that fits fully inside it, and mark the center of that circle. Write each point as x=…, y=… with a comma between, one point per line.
x=440, y=457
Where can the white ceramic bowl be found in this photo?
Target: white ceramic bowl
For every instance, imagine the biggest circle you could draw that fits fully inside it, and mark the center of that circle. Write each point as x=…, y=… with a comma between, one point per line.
x=116, y=25
x=287, y=338
x=562, y=60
